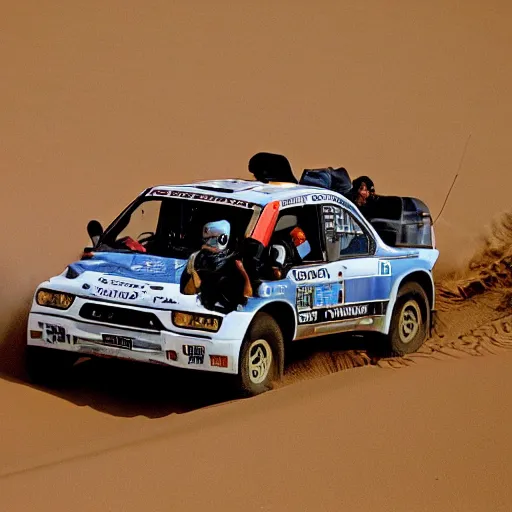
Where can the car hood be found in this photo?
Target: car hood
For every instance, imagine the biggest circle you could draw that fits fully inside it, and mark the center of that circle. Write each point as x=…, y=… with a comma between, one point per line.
x=132, y=279
x=133, y=266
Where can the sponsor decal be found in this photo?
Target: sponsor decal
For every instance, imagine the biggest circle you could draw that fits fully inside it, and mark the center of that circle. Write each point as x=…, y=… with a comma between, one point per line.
x=304, y=297
x=313, y=297
x=311, y=274
x=55, y=334
x=268, y=290
x=315, y=198
x=309, y=317
x=115, y=294
x=164, y=300
x=200, y=197
x=384, y=268
x=123, y=289
x=195, y=353
x=328, y=295
x=294, y=200
x=154, y=267
x=327, y=197
x=346, y=312
x=123, y=284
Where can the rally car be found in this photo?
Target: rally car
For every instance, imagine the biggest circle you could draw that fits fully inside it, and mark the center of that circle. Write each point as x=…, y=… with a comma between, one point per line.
x=125, y=297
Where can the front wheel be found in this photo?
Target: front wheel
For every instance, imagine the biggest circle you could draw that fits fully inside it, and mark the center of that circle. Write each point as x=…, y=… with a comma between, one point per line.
x=410, y=320
x=261, y=356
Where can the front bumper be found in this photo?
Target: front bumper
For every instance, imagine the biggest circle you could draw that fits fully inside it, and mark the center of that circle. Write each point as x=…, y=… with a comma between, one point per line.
x=192, y=352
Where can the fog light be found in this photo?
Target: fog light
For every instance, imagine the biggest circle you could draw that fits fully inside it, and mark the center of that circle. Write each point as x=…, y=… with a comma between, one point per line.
x=172, y=355
x=196, y=321
x=36, y=335
x=221, y=361
x=54, y=299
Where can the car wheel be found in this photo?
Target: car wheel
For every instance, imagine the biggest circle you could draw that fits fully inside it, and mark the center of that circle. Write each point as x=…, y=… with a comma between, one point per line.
x=49, y=367
x=410, y=320
x=261, y=359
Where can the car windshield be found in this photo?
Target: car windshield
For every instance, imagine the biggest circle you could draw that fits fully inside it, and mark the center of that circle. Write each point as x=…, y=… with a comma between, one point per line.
x=172, y=227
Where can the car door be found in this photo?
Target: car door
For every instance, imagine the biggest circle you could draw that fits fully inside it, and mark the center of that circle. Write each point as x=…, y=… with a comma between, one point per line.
x=351, y=290
x=366, y=279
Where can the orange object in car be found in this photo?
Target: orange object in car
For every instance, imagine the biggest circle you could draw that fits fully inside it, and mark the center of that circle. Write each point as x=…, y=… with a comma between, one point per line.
x=265, y=226
x=134, y=245
x=298, y=236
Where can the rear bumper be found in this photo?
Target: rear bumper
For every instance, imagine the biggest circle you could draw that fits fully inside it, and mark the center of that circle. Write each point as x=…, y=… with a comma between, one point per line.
x=192, y=352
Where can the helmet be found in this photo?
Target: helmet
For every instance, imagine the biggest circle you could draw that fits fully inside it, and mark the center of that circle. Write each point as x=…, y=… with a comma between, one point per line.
x=216, y=235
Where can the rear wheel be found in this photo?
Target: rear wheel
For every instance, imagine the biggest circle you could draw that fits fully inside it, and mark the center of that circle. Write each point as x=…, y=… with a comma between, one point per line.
x=49, y=367
x=410, y=320
x=261, y=356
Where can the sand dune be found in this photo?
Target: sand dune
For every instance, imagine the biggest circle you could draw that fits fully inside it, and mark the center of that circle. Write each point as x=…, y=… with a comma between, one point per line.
x=340, y=432
x=102, y=99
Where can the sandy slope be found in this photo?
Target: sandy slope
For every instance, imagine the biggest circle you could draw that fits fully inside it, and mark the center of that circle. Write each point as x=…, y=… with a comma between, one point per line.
x=102, y=99
x=432, y=435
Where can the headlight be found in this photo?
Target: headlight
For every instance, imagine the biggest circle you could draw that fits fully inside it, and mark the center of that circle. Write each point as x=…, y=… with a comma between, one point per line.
x=53, y=299
x=196, y=321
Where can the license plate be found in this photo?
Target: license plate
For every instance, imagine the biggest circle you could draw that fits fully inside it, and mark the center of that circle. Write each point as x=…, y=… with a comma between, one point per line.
x=117, y=341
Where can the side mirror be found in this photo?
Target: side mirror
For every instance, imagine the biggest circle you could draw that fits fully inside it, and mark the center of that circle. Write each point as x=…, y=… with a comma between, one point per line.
x=95, y=230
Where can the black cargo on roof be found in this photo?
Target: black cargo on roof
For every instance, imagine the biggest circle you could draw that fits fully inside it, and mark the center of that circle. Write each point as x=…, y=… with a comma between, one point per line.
x=337, y=180
x=268, y=167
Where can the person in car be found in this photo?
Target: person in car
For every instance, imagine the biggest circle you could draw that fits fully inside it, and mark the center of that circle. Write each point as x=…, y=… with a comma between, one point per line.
x=363, y=195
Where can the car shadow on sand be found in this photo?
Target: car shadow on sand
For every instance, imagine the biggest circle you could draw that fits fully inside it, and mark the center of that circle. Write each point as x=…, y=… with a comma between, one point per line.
x=128, y=389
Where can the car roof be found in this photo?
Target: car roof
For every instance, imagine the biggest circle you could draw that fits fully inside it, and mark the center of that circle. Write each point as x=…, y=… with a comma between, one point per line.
x=252, y=191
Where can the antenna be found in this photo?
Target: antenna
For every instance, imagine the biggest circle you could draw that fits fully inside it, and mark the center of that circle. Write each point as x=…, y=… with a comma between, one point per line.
x=454, y=179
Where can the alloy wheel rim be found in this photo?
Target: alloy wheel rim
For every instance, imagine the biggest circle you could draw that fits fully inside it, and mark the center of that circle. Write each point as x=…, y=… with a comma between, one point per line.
x=410, y=321
x=260, y=361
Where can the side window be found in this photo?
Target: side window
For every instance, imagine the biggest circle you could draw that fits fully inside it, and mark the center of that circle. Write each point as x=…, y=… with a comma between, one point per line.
x=344, y=235
x=298, y=231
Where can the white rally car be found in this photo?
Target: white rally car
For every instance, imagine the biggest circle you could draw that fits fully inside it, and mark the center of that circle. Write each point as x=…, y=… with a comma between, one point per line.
x=125, y=299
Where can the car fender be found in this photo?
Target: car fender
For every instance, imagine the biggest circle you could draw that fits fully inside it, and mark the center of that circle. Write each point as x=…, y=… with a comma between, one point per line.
x=282, y=310
x=399, y=280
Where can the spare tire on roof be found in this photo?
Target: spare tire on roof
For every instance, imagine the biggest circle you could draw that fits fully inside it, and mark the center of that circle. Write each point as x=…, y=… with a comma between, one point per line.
x=337, y=180
x=268, y=167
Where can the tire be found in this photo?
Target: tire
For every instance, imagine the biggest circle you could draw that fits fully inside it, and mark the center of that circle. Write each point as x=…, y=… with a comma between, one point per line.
x=49, y=367
x=410, y=321
x=263, y=342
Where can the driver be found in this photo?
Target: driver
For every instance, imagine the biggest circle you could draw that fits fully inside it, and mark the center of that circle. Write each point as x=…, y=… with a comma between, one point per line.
x=215, y=272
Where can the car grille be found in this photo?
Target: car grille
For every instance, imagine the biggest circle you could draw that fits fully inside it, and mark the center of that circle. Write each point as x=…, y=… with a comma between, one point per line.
x=121, y=316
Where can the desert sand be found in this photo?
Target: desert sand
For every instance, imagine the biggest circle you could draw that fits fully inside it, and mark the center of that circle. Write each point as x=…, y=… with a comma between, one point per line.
x=101, y=100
